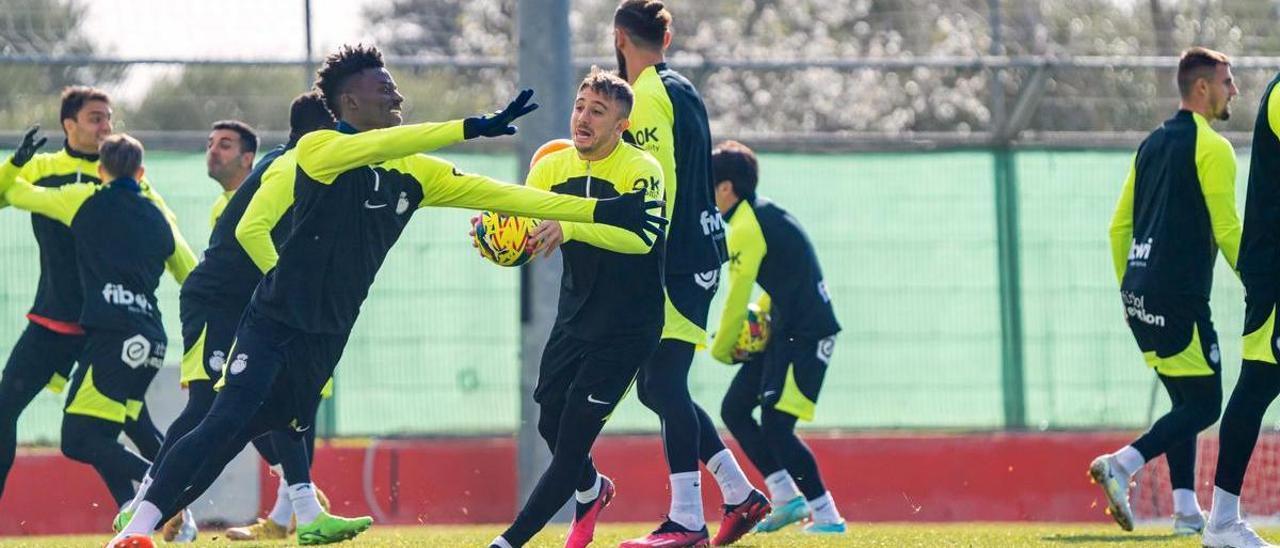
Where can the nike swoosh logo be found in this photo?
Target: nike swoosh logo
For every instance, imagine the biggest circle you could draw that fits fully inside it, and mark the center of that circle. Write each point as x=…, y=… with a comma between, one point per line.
x=770, y=393
x=592, y=399
x=368, y=205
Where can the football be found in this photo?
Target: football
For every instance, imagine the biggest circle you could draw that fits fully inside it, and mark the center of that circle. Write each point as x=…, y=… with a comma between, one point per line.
x=503, y=238
x=755, y=332
x=549, y=147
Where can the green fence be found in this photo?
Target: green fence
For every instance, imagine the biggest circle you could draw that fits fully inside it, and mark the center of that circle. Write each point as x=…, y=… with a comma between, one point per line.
x=908, y=245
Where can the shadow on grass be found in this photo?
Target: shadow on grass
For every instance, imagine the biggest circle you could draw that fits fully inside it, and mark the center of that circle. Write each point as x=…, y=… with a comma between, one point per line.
x=1118, y=538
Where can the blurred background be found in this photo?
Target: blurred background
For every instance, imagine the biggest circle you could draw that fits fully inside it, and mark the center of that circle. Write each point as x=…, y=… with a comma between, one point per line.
x=955, y=162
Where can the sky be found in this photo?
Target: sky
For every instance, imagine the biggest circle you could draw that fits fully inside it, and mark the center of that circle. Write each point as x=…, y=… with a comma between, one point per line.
x=222, y=29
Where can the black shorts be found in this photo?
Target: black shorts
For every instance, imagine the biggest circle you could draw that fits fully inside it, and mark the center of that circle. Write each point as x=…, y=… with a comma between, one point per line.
x=1260, y=303
x=42, y=355
x=598, y=372
x=1174, y=333
x=688, y=303
x=791, y=372
x=286, y=367
x=207, y=332
x=116, y=369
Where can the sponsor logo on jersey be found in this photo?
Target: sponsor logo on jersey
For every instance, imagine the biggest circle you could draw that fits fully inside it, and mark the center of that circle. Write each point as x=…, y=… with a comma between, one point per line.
x=1135, y=307
x=708, y=279
x=1140, y=252
x=711, y=222
x=825, y=347
x=646, y=135
x=135, y=351
x=402, y=205
x=117, y=294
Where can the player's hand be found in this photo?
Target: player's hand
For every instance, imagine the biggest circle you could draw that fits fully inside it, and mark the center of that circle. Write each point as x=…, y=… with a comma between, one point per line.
x=27, y=149
x=740, y=355
x=631, y=211
x=499, y=123
x=545, y=238
x=475, y=223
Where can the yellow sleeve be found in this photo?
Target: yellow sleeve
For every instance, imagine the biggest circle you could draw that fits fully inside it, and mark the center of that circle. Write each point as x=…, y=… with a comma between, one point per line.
x=264, y=211
x=1122, y=225
x=59, y=204
x=746, y=250
x=1273, y=110
x=653, y=128
x=444, y=186
x=183, y=260
x=219, y=206
x=1216, y=163
x=645, y=175
x=325, y=154
x=765, y=302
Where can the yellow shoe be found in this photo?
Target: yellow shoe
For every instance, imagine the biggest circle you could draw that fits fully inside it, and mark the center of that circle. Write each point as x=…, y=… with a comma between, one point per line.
x=264, y=529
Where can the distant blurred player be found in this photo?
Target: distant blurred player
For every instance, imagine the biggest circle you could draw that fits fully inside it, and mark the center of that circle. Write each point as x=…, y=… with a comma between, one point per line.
x=1176, y=211
x=767, y=246
x=123, y=243
x=1259, y=266
x=670, y=121
x=610, y=313
x=53, y=340
x=355, y=190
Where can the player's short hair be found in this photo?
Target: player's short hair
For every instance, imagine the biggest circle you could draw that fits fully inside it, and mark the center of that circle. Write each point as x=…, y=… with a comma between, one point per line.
x=248, y=138
x=75, y=97
x=340, y=66
x=612, y=86
x=308, y=113
x=735, y=162
x=645, y=21
x=121, y=155
x=1197, y=63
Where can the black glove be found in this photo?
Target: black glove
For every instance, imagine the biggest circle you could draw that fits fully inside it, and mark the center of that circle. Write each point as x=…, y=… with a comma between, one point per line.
x=28, y=147
x=631, y=211
x=499, y=123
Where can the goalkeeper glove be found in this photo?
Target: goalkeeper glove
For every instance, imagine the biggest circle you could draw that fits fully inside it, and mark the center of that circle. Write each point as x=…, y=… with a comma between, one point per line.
x=499, y=123
x=28, y=148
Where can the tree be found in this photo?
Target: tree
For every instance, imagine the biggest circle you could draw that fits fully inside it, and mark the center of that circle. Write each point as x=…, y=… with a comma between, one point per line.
x=28, y=93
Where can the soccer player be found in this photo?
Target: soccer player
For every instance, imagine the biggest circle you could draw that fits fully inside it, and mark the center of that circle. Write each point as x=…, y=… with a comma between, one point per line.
x=215, y=295
x=1259, y=267
x=48, y=348
x=355, y=190
x=610, y=312
x=767, y=246
x=229, y=159
x=1176, y=210
x=123, y=243
x=670, y=121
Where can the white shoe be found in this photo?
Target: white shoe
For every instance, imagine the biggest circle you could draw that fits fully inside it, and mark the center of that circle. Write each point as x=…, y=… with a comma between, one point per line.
x=1115, y=485
x=1236, y=534
x=187, y=532
x=1188, y=525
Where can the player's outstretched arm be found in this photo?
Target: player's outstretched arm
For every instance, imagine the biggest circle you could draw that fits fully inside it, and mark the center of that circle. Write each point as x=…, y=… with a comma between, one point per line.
x=444, y=186
x=60, y=204
x=614, y=238
x=325, y=154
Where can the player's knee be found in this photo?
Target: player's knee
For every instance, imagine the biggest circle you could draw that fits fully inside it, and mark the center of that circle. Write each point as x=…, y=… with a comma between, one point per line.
x=548, y=425
x=734, y=414
x=80, y=444
x=1207, y=412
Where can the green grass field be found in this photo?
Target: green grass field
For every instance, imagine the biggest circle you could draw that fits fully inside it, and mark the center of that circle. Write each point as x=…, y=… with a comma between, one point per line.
x=992, y=535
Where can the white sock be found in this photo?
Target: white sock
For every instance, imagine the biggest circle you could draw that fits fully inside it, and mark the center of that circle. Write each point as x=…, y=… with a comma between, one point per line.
x=686, y=500
x=781, y=487
x=500, y=543
x=590, y=494
x=145, y=519
x=1129, y=459
x=141, y=494
x=283, y=509
x=1226, y=507
x=824, y=509
x=734, y=486
x=1185, y=503
x=305, y=504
